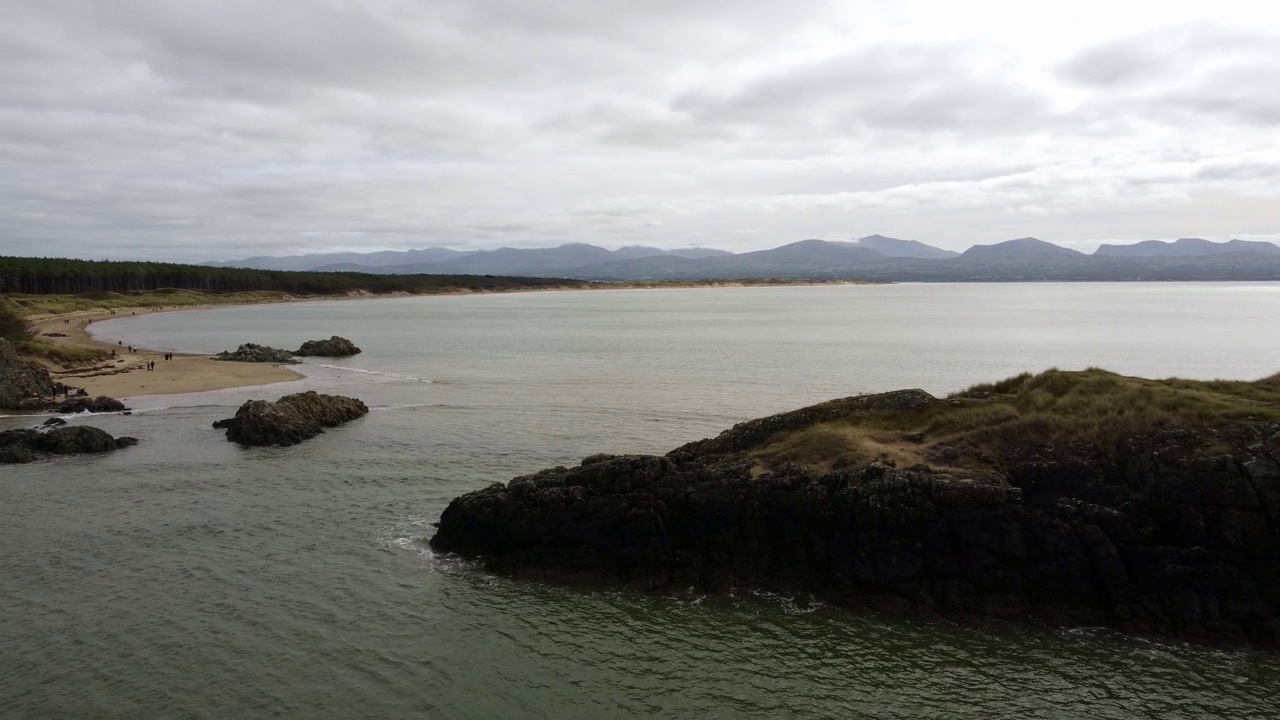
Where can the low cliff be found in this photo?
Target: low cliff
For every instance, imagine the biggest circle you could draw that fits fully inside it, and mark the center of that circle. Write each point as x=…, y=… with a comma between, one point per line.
x=1075, y=498
x=24, y=385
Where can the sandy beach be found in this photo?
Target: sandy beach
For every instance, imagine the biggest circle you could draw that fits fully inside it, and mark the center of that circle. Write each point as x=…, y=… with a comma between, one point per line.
x=126, y=375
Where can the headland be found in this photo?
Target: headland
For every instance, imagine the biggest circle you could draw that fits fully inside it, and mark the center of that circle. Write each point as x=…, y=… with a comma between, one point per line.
x=1072, y=498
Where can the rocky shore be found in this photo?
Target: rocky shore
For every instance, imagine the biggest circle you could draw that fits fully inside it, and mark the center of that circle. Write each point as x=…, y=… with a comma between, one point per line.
x=291, y=419
x=24, y=385
x=1075, y=499
x=335, y=346
x=252, y=352
x=24, y=446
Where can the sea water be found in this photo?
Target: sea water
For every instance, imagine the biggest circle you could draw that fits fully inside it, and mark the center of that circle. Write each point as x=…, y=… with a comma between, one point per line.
x=189, y=577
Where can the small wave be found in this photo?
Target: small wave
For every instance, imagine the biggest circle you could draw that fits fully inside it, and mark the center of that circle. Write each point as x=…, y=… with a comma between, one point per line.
x=379, y=373
x=801, y=604
x=406, y=406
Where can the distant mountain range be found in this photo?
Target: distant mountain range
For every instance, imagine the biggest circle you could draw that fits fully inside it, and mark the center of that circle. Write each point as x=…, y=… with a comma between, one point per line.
x=872, y=257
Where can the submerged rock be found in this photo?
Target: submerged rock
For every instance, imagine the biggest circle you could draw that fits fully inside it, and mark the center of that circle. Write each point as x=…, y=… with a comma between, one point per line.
x=291, y=419
x=23, y=446
x=250, y=352
x=100, y=404
x=333, y=347
x=24, y=385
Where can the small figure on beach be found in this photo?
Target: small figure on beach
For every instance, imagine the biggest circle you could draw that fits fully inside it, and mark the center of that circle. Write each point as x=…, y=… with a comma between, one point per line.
x=113, y=352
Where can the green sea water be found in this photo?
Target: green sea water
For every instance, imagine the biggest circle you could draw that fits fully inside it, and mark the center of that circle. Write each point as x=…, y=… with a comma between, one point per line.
x=188, y=577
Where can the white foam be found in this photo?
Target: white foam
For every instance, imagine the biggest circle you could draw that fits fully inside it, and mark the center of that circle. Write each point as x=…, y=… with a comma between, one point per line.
x=378, y=373
x=406, y=406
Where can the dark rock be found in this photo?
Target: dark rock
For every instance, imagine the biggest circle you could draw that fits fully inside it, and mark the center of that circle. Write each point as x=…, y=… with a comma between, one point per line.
x=54, y=422
x=1162, y=537
x=291, y=419
x=21, y=446
x=250, y=352
x=24, y=385
x=102, y=403
x=54, y=334
x=333, y=347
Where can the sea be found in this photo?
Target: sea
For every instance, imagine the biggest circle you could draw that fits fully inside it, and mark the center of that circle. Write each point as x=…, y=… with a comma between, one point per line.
x=187, y=577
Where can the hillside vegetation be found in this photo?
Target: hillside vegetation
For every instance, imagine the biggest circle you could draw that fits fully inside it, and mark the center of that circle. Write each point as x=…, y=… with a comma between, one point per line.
x=1053, y=413
x=52, y=276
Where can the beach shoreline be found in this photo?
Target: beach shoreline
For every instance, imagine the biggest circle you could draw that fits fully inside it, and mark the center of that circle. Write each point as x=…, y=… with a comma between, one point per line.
x=126, y=375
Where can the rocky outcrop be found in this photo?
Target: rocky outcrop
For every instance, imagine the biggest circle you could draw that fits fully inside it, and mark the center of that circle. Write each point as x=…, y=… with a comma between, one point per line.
x=291, y=419
x=24, y=385
x=333, y=347
x=1173, y=533
x=100, y=404
x=250, y=352
x=23, y=446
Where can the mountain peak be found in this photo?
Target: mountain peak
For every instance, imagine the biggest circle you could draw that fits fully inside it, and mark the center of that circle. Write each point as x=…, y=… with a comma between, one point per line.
x=1185, y=247
x=893, y=247
x=1024, y=248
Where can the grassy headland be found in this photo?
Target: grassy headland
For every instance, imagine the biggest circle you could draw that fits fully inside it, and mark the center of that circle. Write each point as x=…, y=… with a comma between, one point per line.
x=988, y=426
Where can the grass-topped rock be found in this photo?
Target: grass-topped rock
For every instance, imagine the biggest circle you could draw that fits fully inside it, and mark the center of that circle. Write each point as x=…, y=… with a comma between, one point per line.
x=1076, y=498
x=291, y=419
x=24, y=385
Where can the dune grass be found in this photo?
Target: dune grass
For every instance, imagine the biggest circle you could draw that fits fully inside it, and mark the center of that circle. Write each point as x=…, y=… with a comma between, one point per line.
x=64, y=355
x=165, y=297
x=1028, y=414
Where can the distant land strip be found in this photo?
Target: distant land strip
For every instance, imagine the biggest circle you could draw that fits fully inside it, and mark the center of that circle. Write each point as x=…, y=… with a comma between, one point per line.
x=48, y=287
x=875, y=257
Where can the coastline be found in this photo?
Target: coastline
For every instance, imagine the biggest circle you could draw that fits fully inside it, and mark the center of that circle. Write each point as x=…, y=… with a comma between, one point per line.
x=126, y=375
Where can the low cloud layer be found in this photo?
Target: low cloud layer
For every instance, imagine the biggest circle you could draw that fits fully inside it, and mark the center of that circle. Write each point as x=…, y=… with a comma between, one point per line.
x=192, y=131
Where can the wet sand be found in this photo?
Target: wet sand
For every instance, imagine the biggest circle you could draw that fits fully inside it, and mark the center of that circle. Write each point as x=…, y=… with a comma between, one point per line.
x=127, y=376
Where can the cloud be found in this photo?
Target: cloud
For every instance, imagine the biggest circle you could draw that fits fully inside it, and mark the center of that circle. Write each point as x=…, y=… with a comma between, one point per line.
x=1185, y=74
x=188, y=130
x=950, y=88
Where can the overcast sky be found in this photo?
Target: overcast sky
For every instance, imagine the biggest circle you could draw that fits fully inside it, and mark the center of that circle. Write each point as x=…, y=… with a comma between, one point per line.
x=184, y=130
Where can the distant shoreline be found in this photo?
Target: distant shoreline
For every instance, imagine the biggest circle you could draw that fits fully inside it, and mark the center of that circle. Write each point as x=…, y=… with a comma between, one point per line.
x=126, y=375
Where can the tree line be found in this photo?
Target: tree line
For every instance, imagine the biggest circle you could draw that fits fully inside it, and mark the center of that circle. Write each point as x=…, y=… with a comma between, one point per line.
x=56, y=276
